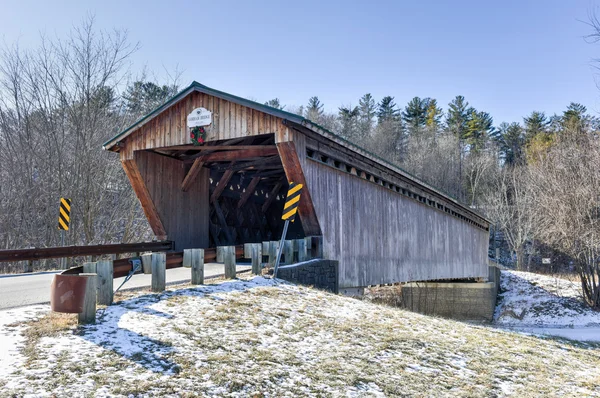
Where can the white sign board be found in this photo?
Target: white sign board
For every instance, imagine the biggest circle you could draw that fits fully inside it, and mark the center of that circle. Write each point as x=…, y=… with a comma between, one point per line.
x=545, y=261
x=199, y=117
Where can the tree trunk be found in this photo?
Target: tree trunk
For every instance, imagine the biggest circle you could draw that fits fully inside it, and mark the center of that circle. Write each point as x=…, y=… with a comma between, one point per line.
x=520, y=252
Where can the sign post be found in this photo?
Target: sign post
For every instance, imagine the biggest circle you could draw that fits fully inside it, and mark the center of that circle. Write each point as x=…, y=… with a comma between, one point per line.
x=64, y=219
x=289, y=214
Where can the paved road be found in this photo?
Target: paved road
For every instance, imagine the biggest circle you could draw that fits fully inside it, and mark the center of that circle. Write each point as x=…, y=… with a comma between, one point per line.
x=25, y=289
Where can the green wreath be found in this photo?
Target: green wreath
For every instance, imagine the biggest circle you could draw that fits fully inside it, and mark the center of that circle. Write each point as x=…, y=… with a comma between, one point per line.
x=198, y=135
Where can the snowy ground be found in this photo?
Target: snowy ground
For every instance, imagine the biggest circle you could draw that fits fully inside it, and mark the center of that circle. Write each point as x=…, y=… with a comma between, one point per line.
x=259, y=337
x=542, y=304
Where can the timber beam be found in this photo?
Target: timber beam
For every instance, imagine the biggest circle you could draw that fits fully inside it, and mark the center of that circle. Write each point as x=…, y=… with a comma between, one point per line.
x=249, y=192
x=294, y=173
x=272, y=195
x=222, y=184
x=139, y=187
x=191, y=175
x=229, y=156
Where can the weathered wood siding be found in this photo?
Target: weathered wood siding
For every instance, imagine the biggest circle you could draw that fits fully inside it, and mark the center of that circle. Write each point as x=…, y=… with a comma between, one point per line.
x=229, y=121
x=380, y=236
x=185, y=215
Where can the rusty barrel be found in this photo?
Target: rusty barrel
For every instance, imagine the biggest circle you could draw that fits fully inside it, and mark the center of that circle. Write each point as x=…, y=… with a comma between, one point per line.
x=67, y=291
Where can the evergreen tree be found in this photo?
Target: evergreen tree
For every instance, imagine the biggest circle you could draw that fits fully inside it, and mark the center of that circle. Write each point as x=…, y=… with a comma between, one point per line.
x=415, y=115
x=390, y=137
x=433, y=114
x=142, y=97
x=511, y=141
x=387, y=110
x=457, y=117
x=314, y=110
x=536, y=123
x=479, y=127
x=366, y=115
x=349, y=123
x=575, y=118
x=274, y=103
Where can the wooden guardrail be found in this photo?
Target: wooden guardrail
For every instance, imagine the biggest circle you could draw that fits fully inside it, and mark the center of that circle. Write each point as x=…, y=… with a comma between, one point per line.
x=76, y=251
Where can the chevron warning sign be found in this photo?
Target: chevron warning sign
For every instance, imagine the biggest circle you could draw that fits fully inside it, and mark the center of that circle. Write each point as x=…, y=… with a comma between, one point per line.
x=64, y=218
x=291, y=202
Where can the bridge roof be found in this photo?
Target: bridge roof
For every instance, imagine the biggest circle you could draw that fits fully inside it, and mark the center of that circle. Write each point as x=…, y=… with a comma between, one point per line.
x=111, y=144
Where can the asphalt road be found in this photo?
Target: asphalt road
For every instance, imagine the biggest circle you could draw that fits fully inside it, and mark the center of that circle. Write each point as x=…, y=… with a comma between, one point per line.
x=25, y=289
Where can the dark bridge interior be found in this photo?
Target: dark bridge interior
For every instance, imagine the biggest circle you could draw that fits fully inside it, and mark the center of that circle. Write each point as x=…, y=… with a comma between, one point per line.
x=247, y=188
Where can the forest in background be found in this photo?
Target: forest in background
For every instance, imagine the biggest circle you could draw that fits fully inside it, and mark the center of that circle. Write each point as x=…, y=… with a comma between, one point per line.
x=537, y=180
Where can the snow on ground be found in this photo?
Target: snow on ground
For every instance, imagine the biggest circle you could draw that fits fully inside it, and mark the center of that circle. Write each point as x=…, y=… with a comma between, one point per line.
x=264, y=337
x=542, y=304
x=11, y=339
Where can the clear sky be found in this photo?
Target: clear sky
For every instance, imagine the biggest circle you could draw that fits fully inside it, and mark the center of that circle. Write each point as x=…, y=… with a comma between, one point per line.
x=506, y=57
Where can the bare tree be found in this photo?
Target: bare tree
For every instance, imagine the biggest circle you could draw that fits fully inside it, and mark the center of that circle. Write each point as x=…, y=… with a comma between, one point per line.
x=567, y=186
x=58, y=104
x=510, y=205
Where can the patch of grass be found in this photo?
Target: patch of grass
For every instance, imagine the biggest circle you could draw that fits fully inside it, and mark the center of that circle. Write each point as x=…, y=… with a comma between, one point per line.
x=48, y=325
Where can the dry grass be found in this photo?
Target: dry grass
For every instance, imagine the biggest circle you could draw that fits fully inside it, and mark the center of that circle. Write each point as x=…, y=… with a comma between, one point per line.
x=49, y=325
x=285, y=340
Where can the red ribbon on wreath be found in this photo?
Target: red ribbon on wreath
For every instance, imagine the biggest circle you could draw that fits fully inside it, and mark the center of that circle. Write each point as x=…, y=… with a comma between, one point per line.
x=198, y=135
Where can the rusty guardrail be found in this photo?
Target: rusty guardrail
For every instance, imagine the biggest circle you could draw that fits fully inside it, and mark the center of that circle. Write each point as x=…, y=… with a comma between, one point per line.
x=77, y=251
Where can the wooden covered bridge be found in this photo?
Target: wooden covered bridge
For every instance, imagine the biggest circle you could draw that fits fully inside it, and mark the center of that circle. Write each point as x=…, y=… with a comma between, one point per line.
x=381, y=224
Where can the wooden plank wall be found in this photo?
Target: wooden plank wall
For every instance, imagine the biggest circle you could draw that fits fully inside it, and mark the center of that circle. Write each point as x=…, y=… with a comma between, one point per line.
x=379, y=236
x=185, y=215
x=229, y=121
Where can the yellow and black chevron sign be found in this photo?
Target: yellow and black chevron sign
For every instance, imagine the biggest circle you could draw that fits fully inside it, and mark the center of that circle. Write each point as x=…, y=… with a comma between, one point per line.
x=291, y=202
x=64, y=218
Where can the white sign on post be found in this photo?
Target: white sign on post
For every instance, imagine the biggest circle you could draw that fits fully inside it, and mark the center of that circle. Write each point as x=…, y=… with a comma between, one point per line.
x=199, y=117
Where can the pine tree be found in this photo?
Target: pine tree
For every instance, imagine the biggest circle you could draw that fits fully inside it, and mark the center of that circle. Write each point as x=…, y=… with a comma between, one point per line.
x=433, y=115
x=142, y=97
x=415, y=115
x=387, y=110
x=390, y=140
x=349, y=123
x=314, y=110
x=575, y=118
x=536, y=123
x=366, y=115
x=511, y=140
x=479, y=127
x=274, y=103
x=458, y=115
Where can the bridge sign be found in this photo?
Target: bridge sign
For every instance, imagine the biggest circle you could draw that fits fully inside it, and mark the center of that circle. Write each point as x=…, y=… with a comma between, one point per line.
x=199, y=117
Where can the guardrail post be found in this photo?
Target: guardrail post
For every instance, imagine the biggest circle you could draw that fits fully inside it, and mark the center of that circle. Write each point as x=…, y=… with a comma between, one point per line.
x=89, y=302
x=248, y=250
x=273, y=246
x=89, y=268
x=302, y=253
x=27, y=266
x=288, y=251
x=220, y=254
x=256, y=256
x=159, y=269
x=104, y=270
x=197, y=265
x=147, y=263
x=308, y=243
x=187, y=258
x=229, y=261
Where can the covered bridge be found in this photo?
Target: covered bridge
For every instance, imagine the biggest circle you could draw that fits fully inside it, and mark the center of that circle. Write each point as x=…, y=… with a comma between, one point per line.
x=380, y=223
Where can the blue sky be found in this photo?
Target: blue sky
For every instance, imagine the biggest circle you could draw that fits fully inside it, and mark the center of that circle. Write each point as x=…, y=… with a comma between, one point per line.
x=506, y=57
